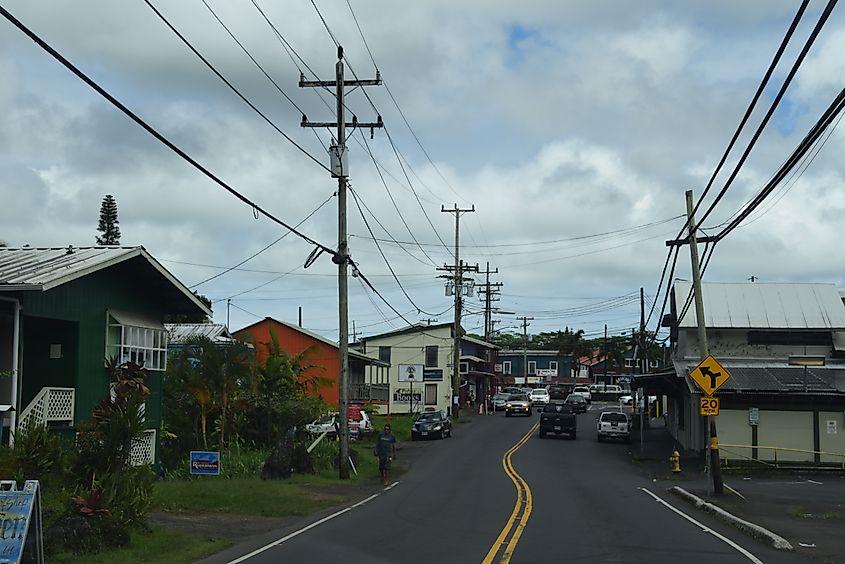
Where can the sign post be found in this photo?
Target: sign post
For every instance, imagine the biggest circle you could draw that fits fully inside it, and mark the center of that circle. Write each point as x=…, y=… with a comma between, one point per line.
x=709, y=376
x=22, y=538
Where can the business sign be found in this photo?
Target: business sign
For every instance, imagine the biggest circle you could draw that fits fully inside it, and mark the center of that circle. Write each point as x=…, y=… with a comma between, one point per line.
x=498, y=368
x=433, y=374
x=20, y=516
x=205, y=463
x=411, y=372
x=406, y=395
x=708, y=406
x=709, y=375
x=354, y=411
x=546, y=372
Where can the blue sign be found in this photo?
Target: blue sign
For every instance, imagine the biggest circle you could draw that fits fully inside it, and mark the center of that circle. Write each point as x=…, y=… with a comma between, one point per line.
x=206, y=463
x=433, y=375
x=20, y=523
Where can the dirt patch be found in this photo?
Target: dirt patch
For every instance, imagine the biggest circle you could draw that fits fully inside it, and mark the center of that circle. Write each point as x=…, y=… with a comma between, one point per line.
x=215, y=525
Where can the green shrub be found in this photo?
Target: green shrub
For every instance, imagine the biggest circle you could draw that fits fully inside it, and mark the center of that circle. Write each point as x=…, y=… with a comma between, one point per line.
x=325, y=454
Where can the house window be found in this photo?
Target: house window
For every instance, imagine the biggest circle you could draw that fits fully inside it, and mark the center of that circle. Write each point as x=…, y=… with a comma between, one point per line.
x=132, y=338
x=464, y=366
x=532, y=366
x=506, y=367
x=384, y=354
x=553, y=365
x=431, y=356
x=629, y=363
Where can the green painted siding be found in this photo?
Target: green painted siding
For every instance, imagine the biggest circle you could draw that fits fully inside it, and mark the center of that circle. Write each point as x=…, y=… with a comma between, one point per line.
x=84, y=303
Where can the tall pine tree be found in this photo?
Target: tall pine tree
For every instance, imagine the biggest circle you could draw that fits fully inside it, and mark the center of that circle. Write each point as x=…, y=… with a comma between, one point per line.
x=108, y=222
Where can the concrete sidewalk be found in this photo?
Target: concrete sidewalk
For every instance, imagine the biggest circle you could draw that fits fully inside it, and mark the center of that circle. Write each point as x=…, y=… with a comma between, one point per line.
x=806, y=508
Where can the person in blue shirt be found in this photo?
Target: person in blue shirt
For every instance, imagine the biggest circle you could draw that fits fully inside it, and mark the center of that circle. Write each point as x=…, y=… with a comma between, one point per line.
x=385, y=449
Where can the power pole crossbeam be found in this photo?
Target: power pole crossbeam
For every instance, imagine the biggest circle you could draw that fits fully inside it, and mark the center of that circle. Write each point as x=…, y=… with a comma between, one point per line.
x=342, y=258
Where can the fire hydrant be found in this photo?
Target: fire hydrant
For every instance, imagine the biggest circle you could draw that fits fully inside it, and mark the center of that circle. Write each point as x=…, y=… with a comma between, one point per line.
x=675, y=459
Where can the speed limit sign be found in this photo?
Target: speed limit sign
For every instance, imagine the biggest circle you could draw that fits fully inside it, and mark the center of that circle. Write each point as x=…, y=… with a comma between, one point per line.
x=708, y=406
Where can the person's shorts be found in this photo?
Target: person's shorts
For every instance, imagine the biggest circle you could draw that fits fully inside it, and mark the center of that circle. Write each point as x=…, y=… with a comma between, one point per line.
x=383, y=463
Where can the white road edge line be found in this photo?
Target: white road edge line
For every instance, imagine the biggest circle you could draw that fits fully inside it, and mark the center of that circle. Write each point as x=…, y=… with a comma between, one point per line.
x=308, y=527
x=705, y=528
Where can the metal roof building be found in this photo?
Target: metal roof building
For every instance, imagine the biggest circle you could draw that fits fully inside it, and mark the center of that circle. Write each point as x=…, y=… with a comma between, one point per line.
x=764, y=306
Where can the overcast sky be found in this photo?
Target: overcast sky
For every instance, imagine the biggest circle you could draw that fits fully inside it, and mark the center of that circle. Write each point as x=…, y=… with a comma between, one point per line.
x=574, y=128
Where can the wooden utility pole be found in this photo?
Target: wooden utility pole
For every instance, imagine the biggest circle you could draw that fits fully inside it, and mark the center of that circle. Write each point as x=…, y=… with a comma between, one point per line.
x=457, y=285
x=525, y=325
x=340, y=170
x=712, y=459
x=491, y=291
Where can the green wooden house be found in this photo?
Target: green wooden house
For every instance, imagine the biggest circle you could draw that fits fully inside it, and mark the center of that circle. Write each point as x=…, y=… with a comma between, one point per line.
x=63, y=311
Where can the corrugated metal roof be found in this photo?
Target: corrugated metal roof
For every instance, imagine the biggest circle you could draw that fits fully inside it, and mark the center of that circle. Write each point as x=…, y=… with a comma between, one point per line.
x=41, y=269
x=774, y=377
x=181, y=332
x=760, y=305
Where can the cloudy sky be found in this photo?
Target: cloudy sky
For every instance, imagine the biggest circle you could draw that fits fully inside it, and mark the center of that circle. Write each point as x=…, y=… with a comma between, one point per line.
x=574, y=128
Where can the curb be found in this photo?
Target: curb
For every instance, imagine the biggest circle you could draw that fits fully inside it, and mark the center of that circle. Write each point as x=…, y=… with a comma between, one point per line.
x=775, y=540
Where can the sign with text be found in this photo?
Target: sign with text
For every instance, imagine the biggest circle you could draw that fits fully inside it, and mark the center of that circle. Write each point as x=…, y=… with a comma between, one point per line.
x=411, y=372
x=21, y=537
x=709, y=375
x=547, y=372
x=205, y=463
x=354, y=412
x=433, y=375
x=753, y=416
x=708, y=406
x=406, y=395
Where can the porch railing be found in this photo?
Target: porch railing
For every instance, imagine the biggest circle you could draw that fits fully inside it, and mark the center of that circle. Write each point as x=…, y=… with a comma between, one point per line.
x=369, y=392
x=50, y=405
x=143, y=449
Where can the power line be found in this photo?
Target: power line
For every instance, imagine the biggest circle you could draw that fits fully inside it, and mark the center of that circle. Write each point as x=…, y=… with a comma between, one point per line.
x=152, y=131
x=252, y=256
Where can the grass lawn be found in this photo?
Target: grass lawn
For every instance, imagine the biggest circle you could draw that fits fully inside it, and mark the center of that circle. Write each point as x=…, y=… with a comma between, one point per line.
x=159, y=546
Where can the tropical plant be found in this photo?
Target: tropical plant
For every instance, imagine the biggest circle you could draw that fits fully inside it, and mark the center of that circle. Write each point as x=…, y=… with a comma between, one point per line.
x=108, y=222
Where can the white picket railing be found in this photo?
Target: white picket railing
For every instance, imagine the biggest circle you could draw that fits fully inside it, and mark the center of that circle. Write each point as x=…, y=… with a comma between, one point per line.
x=50, y=405
x=143, y=449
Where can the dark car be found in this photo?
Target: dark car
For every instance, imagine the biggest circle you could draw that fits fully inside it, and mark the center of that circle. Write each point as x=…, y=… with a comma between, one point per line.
x=431, y=424
x=557, y=392
x=577, y=403
x=557, y=419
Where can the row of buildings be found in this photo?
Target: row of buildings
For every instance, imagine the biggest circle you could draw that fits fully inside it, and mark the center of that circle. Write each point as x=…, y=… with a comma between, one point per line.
x=64, y=310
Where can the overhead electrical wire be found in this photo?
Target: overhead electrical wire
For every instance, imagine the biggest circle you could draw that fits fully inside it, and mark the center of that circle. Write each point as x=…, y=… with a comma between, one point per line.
x=252, y=256
x=152, y=131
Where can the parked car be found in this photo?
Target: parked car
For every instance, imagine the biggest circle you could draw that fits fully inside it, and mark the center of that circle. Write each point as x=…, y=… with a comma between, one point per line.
x=431, y=424
x=517, y=403
x=499, y=401
x=583, y=391
x=362, y=426
x=539, y=397
x=556, y=418
x=576, y=402
x=626, y=399
x=511, y=390
x=613, y=425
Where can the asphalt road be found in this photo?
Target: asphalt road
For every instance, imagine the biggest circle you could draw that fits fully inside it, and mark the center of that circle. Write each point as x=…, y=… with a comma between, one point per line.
x=588, y=505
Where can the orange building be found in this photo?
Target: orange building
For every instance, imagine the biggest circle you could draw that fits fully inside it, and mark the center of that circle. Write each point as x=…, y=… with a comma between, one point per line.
x=324, y=356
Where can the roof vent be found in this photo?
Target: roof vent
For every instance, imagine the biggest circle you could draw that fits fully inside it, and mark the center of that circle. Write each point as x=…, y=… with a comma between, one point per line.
x=70, y=250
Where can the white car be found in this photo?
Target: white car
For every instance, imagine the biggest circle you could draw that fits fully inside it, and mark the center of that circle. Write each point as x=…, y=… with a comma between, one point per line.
x=539, y=397
x=329, y=422
x=613, y=425
x=583, y=391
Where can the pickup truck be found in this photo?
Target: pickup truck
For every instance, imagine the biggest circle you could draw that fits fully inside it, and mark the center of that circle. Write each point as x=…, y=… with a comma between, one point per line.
x=613, y=425
x=557, y=419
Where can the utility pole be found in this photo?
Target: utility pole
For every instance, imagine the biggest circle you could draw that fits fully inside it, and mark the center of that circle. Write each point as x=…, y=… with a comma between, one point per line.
x=606, y=358
x=712, y=460
x=458, y=282
x=491, y=291
x=525, y=325
x=340, y=170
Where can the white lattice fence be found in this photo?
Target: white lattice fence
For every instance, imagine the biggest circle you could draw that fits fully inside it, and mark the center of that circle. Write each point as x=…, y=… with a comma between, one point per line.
x=143, y=449
x=50, y=405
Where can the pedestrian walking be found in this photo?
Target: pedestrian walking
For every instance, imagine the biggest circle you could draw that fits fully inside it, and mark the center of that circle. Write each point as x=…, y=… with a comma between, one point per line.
x=385, y=449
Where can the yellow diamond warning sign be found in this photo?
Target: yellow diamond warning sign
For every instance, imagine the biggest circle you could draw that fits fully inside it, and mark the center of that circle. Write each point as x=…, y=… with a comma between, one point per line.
x=709, y=375
x=708, y=406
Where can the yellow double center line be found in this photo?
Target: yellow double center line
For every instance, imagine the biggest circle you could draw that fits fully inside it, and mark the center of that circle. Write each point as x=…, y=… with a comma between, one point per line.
x=521, y=510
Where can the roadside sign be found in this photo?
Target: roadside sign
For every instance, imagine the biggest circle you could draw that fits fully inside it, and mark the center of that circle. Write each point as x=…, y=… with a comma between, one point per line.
x=21, y=539
x=753, y=416
x=205, y=463
x=708, y=405
x=411, y=372
x=709, y=375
